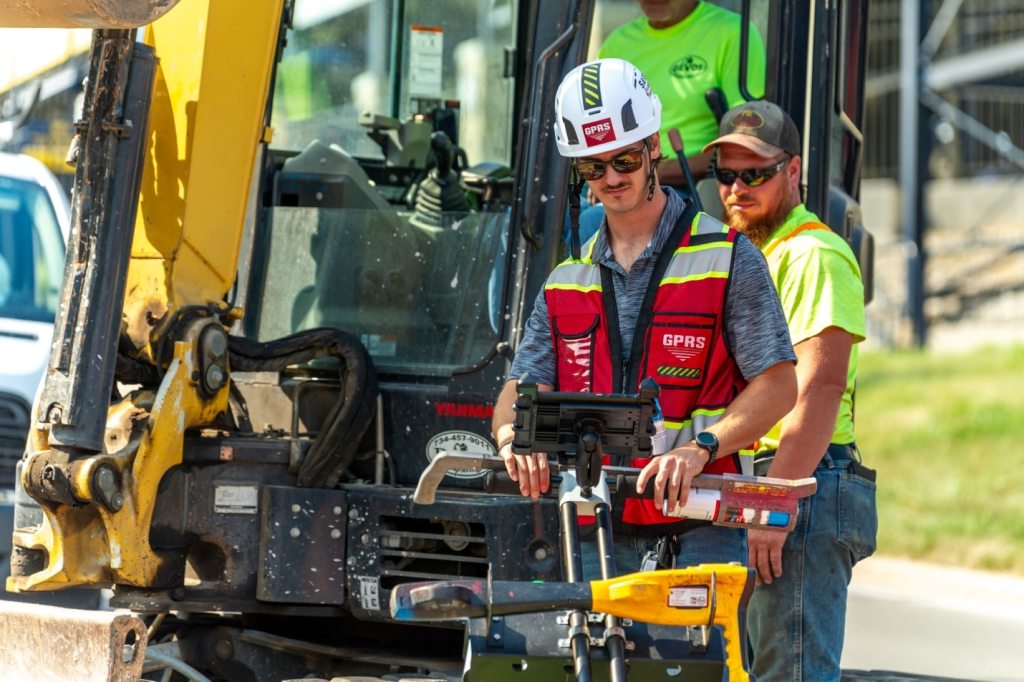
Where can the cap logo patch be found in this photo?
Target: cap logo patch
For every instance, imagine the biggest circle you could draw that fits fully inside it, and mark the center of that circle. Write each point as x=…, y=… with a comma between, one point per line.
x=590, y=85
x=598, y=132
x=747, y=118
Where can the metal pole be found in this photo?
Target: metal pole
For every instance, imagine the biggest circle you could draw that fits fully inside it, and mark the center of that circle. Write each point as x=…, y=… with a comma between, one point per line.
x=912, y=170
x=614, y=635
x=940, y=27
x=397, y=57
x=579, y=632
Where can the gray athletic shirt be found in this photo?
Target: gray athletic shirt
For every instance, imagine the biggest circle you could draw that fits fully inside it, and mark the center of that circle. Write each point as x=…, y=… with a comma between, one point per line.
x=754, y=324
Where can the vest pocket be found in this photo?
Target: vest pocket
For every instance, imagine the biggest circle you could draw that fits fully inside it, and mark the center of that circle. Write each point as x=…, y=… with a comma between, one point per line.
x=574, y=342
x=679, y=348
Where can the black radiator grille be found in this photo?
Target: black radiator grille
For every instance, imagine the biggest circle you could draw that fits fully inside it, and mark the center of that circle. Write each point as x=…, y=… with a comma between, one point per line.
x=414, y=549
x=14, y=420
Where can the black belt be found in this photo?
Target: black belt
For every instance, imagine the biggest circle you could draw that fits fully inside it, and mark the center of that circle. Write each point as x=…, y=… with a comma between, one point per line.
x=837, y=456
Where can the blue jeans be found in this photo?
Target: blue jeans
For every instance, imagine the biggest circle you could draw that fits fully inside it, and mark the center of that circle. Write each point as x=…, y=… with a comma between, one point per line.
x=704, y=545
x=796, y=624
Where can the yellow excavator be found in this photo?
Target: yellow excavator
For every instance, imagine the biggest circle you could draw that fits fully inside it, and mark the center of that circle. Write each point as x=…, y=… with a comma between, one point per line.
x=306, y=234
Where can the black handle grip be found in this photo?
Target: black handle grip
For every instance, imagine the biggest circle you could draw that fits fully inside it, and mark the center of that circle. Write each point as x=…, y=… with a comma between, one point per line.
x=499, y=483
x=716, y=101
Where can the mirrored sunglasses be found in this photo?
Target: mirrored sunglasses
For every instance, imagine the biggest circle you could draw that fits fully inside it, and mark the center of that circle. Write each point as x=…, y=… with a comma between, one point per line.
x=626, y=162
x=751, y=177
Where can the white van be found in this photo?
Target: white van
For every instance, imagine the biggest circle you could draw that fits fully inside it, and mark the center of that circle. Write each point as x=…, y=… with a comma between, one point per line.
x=34, y=223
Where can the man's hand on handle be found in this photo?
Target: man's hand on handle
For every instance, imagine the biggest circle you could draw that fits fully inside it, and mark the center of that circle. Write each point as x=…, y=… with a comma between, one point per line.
x=531, y=472
x=672, y=473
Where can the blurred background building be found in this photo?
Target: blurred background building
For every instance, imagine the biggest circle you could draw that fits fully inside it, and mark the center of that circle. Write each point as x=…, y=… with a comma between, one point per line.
x=969, y=165
x=41, y=74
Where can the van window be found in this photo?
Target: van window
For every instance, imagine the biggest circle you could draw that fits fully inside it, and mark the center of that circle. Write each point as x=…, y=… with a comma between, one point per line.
x=31, y=252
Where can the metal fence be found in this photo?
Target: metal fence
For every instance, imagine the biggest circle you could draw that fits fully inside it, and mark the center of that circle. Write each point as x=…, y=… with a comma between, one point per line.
x=988, y=34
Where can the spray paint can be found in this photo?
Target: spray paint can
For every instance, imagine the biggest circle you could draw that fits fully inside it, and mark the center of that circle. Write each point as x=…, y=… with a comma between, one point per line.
x=659, y=442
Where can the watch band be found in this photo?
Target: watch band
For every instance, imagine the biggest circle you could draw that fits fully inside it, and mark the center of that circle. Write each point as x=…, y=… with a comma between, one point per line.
x=709, y=442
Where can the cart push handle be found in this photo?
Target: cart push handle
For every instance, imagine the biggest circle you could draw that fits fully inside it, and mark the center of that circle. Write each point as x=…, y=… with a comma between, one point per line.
x=733, y=500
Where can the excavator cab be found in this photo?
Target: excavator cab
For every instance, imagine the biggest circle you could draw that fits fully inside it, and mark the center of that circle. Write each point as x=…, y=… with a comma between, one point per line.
x=368, y=225
x=387, y=203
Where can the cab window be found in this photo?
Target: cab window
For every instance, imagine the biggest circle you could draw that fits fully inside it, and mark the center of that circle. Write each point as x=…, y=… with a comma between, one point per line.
x=387, y=209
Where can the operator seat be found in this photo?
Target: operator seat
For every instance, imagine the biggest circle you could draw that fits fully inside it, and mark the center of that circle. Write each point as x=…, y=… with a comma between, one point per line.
x=326, y=176
x=707, y=190
x=366, y=273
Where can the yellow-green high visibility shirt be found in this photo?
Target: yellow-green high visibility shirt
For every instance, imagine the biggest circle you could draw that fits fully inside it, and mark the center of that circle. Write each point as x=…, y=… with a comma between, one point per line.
x=683, y=61
x=819, y=285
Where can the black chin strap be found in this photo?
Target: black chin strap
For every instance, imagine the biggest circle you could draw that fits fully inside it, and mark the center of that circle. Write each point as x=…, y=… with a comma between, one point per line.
x=575, y=188
x=650, y=174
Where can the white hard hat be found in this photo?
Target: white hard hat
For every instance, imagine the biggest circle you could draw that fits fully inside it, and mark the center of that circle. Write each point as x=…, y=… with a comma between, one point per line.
x=604, y=105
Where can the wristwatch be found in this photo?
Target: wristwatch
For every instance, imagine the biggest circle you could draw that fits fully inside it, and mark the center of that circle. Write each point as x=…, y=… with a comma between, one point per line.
x=708, y=441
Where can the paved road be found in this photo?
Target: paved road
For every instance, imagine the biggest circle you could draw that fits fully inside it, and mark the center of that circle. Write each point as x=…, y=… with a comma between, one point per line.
x=923, y=619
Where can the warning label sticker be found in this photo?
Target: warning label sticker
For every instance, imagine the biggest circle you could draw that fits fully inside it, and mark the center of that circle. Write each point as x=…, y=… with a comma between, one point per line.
x=235, y=499
x=369, y=593
x=688, y=597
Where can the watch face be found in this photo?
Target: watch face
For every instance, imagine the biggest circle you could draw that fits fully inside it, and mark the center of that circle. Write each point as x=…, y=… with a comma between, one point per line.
x=706, y=439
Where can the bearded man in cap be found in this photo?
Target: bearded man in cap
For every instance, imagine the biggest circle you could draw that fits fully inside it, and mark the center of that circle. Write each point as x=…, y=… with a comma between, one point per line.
x=796, y=618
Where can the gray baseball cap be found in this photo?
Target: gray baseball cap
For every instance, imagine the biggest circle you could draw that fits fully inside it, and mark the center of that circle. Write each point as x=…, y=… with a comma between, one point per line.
x=760, y=126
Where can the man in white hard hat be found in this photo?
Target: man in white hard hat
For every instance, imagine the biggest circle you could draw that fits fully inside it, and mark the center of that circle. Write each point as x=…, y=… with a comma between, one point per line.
x=660, y=291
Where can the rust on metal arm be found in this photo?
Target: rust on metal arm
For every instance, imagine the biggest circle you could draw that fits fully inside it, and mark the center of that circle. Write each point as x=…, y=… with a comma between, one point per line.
x=82, y=13
x=52, y=643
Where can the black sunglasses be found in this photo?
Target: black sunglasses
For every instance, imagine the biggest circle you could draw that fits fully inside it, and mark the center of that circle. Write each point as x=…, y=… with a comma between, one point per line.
x=626, y=162
x=751, y=177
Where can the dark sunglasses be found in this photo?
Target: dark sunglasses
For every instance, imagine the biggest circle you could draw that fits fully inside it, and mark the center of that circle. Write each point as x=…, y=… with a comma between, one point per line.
x=626, y=162
x=751, y=177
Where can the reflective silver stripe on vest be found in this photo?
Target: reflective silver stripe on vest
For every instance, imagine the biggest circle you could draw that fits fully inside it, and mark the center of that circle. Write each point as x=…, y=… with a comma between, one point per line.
x=681, y=433
x=697, y=262
x=574, y=275
x=705, y=224
x=721, y=255
x=702, y=260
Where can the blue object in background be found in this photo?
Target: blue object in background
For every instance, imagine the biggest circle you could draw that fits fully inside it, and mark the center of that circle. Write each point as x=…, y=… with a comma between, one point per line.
x=592, y=216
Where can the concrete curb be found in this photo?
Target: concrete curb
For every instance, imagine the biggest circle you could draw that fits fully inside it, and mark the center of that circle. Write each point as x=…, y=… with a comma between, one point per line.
x=998, y=595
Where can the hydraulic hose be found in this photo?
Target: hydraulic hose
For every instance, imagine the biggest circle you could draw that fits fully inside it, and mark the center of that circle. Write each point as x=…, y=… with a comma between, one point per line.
x=336, y=444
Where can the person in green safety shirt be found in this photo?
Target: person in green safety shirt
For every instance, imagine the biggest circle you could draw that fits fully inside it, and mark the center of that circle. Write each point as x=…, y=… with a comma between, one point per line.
x=685, y=48
x=796, y=616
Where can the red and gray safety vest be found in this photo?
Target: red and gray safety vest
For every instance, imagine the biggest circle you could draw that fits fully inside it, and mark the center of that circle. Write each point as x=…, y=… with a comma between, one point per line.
x=678, y=341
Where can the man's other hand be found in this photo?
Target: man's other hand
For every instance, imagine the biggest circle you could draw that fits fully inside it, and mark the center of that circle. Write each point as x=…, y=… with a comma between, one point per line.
x=765, y=550
x=529, y=471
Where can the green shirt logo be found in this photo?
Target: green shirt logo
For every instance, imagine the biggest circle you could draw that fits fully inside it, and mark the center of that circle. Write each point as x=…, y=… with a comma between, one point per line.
x=689, y=66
